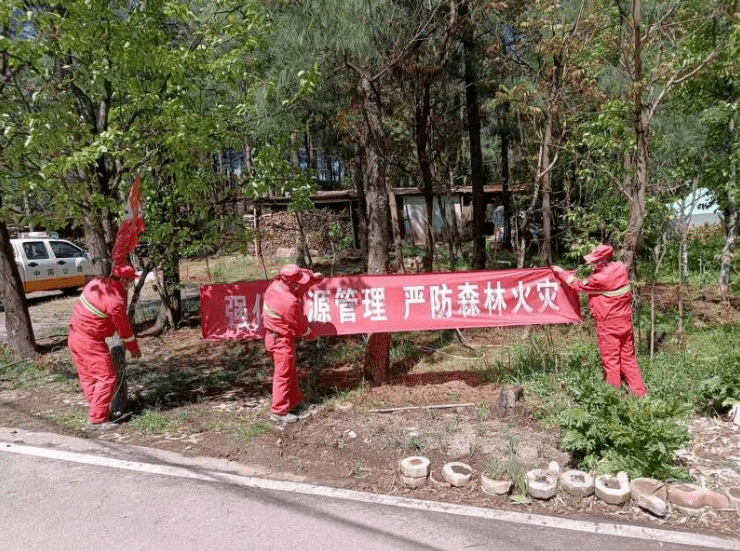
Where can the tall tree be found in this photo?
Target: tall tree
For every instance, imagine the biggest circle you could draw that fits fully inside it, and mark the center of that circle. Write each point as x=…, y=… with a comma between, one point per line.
x=363, y=42
x=652, y=39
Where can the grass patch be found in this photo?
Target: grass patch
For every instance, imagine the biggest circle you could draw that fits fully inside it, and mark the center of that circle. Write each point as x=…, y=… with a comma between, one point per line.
x=151, y=421
x=23, y=374
x=252, y=429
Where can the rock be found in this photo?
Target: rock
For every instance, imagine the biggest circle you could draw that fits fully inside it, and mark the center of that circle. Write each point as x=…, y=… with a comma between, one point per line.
x=733, y=494
x=508, y=399
x=541, y=483
x=554, y=467
x=461, y=448
x=495, y=486
x=650, y=494
x=437, y=480
x=693, y=496
x=614, y=490
x=456, y=473
x=413, y=482
x=577, y=483
x=735, y=414
x=415, y=466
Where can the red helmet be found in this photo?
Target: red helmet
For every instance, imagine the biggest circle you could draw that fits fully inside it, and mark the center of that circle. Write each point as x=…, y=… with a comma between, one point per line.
x=601, y=252
x=292, y=272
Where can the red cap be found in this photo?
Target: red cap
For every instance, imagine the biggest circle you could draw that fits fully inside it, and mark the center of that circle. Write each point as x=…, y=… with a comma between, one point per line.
x=123, y=272
x=601, y=252
x=292, y=272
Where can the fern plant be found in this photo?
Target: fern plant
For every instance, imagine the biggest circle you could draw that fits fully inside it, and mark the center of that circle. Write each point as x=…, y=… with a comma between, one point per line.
x=609, y=430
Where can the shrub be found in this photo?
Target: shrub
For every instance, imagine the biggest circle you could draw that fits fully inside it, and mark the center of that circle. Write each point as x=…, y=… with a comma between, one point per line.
x=610, y=431
x=719, y=393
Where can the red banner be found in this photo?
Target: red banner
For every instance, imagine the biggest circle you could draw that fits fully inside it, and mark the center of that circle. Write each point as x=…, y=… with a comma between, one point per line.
x=132, y=225
x=399, y=302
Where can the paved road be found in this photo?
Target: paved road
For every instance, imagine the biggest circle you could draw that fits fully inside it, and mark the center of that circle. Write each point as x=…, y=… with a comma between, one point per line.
x=93, y=495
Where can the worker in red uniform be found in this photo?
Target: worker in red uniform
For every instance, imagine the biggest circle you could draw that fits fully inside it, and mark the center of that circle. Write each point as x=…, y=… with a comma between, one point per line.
x=98, y=314
x=285, y=320
x=610, y=301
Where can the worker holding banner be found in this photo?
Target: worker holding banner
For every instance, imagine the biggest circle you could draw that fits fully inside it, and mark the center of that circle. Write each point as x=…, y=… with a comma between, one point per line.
x=285, y=320
x=610, y=301
x=98, y=314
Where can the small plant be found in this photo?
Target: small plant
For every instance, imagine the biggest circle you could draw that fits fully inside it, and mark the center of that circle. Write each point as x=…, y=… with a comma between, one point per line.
x=251, y=430
x=414, y=441
x=516, y=471
x=417, y=442
x=452, y=396
x=482, y=411
x=357, y=471
x=496, y=469
x=151, y=421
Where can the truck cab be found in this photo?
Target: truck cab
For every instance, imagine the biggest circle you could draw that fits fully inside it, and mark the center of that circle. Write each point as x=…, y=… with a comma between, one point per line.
x=47, y=264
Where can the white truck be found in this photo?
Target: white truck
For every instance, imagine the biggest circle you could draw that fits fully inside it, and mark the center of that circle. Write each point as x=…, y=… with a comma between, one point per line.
x=47, y=264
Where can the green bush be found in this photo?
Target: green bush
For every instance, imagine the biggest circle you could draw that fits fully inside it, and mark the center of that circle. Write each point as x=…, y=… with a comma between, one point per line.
x=718, y=393
x=611, y=431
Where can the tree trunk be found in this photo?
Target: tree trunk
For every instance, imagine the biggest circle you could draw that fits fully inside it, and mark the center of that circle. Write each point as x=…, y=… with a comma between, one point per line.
x=544, y=170
x=147, y=268
x=423, y=108
x=301, y=246
x=396, y=229
x=97, y=245
x=505, y=175
x=642, y=129
x=18, y=326
x=731, y=217
x=170, y=310
x=476, y=158
x=362, y=207
x=376, y=365
x=637, y=195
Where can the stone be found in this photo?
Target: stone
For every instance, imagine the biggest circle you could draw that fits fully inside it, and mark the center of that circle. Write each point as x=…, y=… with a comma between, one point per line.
x=437, y=481
x=541, y=483
x=577, y=483
x=508, y=399
x=650, y=494
x=412, y=482
x=614, y=490
x=693, y=496
x=456, y=473
x=416, y=466
x=733, y=494
x=495, y=486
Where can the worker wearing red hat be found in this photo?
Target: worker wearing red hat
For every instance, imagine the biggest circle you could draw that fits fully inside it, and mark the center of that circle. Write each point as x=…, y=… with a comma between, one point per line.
x=285, y=320
x=98, y=314
x=610, y=301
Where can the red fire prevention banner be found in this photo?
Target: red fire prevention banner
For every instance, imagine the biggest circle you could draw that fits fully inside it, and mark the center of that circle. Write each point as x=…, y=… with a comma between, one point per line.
x=399, y=302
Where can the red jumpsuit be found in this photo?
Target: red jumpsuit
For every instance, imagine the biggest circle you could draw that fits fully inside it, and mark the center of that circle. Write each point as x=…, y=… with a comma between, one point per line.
x=99, y=313
x=610, y=301
x=284, y=320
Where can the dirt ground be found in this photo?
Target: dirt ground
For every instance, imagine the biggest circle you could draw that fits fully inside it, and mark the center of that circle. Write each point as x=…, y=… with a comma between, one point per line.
x=214, y=400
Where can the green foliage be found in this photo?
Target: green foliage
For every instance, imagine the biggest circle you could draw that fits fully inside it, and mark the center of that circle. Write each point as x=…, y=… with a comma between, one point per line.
x=537, y=356
x=151, y=421
x=610, y=431
x=719, y=389
x=251, y=429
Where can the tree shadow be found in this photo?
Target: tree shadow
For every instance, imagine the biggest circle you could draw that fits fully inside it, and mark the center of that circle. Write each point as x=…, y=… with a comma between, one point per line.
x=224, y=373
